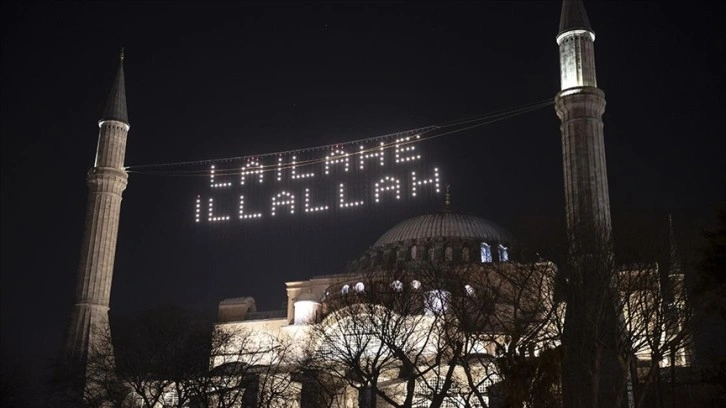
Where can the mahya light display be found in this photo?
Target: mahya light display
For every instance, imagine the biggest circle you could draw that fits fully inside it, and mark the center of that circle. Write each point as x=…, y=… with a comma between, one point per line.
x=303, y=182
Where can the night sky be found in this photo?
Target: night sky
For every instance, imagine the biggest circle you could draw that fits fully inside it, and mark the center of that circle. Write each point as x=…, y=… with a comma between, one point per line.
x=216, y=80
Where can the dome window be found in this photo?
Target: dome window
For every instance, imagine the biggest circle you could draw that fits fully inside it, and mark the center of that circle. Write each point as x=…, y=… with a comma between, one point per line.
x=436, y=302
x=397, y=286
x=345, y=289
x=360, y=287
x=449, y=254
x=413, y=252
x=469, y=290
x=503, y=253
x=416, y=285
x=486, y=252
x=465, y=254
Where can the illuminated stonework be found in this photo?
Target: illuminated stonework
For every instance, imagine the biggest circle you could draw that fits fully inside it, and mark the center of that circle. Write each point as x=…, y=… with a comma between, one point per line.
x=106, y=182
x=577, y=59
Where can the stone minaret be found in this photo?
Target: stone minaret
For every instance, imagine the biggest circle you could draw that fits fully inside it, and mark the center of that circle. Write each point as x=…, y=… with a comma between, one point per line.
x=106, y=181
x=590, y=373
x=580, y=105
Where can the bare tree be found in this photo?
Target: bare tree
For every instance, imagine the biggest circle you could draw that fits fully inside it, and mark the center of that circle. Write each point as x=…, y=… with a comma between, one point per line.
x=444, y=332
x=171, y=358
x=503, y=318
x=378, y=336
x=656, y=325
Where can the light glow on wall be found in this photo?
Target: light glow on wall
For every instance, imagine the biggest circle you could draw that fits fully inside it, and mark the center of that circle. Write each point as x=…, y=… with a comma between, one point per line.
x=305, y=311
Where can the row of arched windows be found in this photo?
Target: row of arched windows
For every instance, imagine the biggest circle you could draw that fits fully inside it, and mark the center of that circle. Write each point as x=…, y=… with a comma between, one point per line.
x=485, y=253
x=397, y=286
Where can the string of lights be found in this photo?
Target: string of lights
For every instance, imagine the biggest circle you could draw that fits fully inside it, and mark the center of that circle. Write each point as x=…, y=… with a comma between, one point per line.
x=385, y=142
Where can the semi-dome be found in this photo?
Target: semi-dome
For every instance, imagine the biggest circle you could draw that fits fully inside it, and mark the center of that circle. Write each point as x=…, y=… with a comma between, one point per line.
x=444, y=224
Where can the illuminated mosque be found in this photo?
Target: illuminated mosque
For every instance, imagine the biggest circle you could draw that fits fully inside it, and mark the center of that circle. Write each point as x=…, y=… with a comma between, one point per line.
x=473, y=252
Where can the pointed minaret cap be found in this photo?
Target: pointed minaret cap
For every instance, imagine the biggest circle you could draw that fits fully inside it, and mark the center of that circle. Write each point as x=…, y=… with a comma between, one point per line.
x=116, y=103
x=573, y=17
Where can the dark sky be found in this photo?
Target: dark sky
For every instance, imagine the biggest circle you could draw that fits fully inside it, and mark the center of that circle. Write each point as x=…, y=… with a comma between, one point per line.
x=214, y=80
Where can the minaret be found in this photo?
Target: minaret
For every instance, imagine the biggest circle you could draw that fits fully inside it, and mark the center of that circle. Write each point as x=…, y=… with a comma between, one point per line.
x=591, y=375
x=580, y=105
x=106, y=181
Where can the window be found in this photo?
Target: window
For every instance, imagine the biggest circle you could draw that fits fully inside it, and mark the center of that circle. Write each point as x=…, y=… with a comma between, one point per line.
x=503, y=253
x=360, y=287
x=345, y=289
x=486, y=252
x=449, y=254
x=436, y=302
x=397, y=286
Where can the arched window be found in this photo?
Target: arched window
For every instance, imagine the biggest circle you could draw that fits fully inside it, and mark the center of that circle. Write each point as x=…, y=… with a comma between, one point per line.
x=360, y=287
x=345, y=289
x=415, y=285
x=397, y=286
x=449, y=254
x=436, y=302
x=486, y=252
x=469, y=290
x=465, y=254
x=503, y=253
x=413, y=252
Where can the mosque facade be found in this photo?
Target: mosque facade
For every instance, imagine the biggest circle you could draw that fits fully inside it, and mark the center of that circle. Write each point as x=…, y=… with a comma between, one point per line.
x=423, y=315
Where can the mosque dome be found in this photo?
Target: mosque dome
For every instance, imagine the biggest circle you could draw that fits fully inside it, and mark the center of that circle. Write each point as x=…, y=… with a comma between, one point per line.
x=447, y=236
x=443, y=225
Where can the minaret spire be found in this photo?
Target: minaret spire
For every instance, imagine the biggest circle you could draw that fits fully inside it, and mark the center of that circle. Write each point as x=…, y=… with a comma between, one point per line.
x=580, y=105
x=116, y=102
x=88, y=329
x=574, y=17
x=590, y=337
